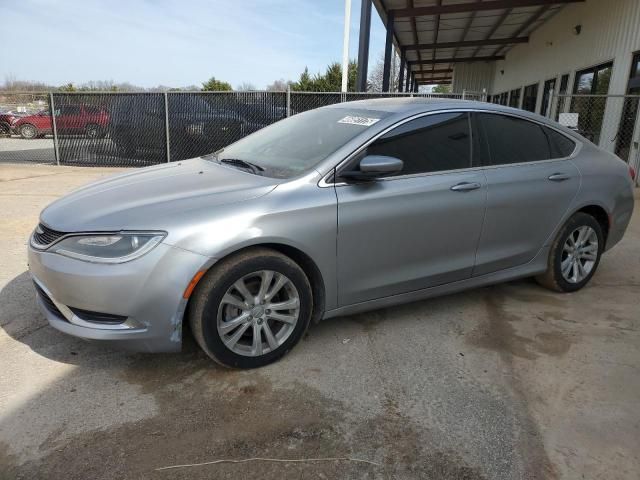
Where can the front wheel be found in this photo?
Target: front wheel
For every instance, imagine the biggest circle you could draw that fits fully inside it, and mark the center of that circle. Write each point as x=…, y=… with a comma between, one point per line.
x=251, y=309
x=28, y=131
x=575, y=254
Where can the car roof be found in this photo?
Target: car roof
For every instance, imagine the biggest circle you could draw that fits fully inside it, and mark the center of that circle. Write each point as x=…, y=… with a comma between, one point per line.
x=407, y=106
x=417, y=104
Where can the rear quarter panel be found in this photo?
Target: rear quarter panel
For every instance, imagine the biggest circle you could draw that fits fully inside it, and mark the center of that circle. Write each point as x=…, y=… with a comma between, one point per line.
x=605, y=183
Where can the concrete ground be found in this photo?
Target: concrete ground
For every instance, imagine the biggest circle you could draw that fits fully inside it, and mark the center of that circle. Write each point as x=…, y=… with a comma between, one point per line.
x=506, y=382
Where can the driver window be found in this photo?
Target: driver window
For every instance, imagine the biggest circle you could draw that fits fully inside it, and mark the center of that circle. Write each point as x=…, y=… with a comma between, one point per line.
x=431, y=143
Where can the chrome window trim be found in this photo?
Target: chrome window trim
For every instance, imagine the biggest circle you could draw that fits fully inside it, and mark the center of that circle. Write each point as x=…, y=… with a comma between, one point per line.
x=324, y=181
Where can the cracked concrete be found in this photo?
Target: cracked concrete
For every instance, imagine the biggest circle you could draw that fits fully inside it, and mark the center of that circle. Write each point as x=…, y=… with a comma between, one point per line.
x=505, y=382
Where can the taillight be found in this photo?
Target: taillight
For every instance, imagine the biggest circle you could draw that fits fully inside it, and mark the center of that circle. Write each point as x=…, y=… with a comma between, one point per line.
x=632, y=173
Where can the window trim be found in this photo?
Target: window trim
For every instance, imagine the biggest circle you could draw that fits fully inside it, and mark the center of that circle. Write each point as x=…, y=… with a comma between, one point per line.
x=576, y=149
x=592, y=69
x=328, y=180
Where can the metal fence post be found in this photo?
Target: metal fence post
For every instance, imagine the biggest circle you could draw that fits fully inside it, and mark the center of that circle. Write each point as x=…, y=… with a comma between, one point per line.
x=166, y=126
x=55, y=130
x=484, y=94
x=288, y=100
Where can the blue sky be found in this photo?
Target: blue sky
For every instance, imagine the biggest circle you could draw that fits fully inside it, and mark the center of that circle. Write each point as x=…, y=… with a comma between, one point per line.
x=175, y=43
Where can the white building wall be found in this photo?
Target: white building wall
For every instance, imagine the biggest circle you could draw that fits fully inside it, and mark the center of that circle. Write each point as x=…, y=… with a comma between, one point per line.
x=610, y=32
x=473, y=76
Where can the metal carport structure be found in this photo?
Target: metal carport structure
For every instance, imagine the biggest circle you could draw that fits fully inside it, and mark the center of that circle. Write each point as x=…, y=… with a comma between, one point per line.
x=432, y=36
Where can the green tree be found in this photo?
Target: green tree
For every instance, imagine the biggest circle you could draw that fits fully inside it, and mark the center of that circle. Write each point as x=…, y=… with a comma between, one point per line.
x=329, y=81
x=213, y=85
x=441, y=89
x=305, y=83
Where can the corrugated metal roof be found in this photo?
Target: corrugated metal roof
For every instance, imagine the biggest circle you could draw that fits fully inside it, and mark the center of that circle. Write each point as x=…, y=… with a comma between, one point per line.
x=435, y=41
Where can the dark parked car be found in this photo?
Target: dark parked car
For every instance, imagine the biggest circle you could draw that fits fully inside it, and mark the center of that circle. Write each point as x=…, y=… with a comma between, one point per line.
x=195, y=126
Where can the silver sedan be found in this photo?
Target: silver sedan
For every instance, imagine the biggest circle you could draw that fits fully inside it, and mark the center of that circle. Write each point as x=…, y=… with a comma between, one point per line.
x=330, y=212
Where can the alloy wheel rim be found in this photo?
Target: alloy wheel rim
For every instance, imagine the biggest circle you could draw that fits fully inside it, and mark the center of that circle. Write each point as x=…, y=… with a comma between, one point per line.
x=29, y=131
x=258, y=313
x=579, y=254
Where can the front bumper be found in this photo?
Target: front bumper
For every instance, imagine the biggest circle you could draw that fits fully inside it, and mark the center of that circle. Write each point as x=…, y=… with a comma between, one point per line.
x=145, y=293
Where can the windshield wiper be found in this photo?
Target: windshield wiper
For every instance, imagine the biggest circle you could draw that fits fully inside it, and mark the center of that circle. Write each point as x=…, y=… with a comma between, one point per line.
x=243, y=164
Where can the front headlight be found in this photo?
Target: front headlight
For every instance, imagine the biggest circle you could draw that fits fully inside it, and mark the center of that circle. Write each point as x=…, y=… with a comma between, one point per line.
x=108, y=248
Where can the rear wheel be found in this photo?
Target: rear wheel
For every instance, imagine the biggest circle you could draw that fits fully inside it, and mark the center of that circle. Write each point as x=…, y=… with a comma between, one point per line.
x=575, y=254
x=28, y=131
x=5, y=128
x=251, y=309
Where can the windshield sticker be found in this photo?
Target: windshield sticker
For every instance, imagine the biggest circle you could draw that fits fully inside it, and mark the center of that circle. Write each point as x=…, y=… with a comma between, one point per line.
x=363, y=121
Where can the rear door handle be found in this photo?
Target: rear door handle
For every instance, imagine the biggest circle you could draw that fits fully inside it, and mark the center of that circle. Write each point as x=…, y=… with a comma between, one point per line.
x=465, y=186
x=559, y=177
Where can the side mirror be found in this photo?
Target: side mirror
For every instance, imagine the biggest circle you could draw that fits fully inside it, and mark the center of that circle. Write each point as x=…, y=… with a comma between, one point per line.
x=372, y=167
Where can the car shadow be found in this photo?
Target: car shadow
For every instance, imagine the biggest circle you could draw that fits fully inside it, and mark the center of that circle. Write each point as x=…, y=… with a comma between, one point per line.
x=21, y=319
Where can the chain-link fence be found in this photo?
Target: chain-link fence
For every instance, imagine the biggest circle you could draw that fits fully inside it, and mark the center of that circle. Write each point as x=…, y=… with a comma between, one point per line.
x=34, y=106
x=138, y=129
x=610, y=121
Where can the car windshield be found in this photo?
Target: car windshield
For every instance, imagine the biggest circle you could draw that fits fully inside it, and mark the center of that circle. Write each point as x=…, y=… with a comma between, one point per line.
x=296, y=144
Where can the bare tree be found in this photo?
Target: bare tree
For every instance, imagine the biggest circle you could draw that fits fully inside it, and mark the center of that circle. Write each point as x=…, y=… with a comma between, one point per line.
x=377, y=73
x=246, y=87
x=280, y=85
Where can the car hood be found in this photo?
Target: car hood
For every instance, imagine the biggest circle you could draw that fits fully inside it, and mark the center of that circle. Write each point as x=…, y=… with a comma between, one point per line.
x=153, y=198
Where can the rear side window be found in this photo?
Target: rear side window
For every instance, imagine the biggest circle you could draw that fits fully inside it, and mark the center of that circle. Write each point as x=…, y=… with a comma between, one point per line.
x=428, y=144
x=513, y=140
x=560, y=145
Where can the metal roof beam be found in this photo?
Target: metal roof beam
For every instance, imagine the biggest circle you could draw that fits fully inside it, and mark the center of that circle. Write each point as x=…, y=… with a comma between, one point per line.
x=527, y=24
x=468, y=43
x=458, y=60
x=474, y=7
x=439, y=70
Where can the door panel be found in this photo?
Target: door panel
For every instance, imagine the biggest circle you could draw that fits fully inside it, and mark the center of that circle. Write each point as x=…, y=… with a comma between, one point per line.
x=405, y=234
x=523, y=209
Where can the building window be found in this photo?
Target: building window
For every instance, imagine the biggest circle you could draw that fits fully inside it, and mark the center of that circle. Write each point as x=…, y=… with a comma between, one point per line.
x=514, y=99
x=590, y=110
x=562, y=101
x=548, y=86
x=530, y=98
x=564, y=84
x=629, y=111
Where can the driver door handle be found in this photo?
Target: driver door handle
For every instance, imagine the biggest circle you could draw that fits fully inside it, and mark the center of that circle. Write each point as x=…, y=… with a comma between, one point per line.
x=559, y=177
x=465, y=186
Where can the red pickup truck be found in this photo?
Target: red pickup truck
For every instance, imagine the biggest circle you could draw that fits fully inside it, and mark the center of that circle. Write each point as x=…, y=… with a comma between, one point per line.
x=89, y=120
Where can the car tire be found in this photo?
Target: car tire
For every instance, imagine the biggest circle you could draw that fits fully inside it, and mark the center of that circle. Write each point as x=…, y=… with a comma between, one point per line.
x=92, y=130
x=28, y=131
x=575, y=254
x=244, y=330
x=5, y=128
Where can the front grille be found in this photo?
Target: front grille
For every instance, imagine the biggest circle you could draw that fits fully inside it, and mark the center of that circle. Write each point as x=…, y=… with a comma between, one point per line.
x=48, y=302
x=47, y=237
